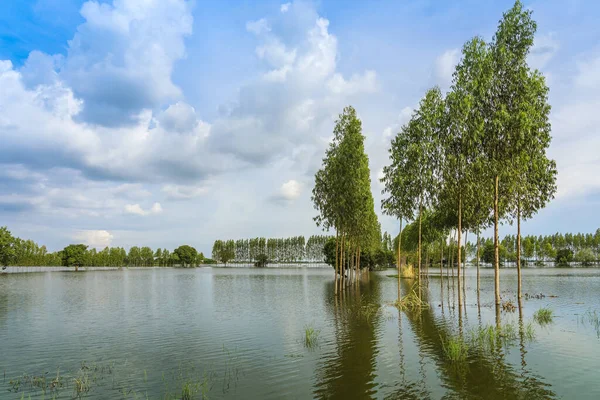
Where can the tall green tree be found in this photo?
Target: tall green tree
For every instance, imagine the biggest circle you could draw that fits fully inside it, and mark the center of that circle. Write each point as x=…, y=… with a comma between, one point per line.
x=504, y=93
x=424, y=154
x=536, y=174
x=342, y=193
x=7, y=247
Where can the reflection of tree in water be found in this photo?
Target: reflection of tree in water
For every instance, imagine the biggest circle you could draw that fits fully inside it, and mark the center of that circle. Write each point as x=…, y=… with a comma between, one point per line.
x=406, y=389
x=481, y=376
x=349, y=371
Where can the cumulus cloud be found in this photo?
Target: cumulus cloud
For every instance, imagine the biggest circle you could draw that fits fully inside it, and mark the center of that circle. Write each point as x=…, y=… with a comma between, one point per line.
x=285, y=7
x=136, y=209
x=119, y=63
x=94, y=238
x=288, y=192
x=298, y=96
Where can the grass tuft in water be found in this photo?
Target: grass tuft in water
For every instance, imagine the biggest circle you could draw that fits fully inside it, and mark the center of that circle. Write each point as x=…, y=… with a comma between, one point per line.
x=543, y=316
x=592, y=318
x=529, y=331
x=455, y=349
x=311, y=337
x=411, y=301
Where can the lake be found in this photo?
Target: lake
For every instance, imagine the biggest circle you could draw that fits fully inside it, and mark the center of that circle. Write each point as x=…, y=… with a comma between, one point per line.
x=240, y=333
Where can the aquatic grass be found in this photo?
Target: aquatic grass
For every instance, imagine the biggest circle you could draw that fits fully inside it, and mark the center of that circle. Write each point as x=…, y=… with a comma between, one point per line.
x=487, y=337
x=543, y=316
x=592, y=318
x=311, y=337
x=455, y=349
x=529, y=331
x=368, y=311
x=411, y=301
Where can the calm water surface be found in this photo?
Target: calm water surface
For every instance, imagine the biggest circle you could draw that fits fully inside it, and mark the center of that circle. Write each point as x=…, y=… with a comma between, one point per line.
x=239, y=333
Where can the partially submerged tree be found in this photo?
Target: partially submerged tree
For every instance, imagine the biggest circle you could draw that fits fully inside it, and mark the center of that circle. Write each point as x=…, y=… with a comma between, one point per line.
x=187, y=255
x=74, y=255
x=342, y=194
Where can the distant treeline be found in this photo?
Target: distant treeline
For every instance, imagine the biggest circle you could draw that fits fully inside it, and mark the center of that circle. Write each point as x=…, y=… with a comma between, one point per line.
x=561, y=249
x=19, y=252
x=276, y=250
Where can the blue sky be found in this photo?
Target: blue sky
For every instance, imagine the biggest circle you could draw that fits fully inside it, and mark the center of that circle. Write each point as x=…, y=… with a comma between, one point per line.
x=162, y=122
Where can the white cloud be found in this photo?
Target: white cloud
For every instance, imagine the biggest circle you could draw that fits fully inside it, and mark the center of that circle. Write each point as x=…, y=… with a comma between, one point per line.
x=444, y=67
x=297, y=99
x=356, y=84
x=119, y=63
x=576, y=132
x=258, y=27
x=285, y=7
x=138, y=210
x=94, y=238
x=290, y=190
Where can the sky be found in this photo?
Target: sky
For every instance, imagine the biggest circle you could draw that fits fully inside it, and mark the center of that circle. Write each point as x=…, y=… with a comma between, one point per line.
x=167, y=122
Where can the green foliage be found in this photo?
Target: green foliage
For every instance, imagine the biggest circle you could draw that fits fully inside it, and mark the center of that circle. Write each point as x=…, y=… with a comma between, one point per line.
x=187, y=255
x=564, y=256
x=585, y=256
x=223, y=251
x=261, y=260
x=278, y=250
x=342, y=192
x=455, y=349
x=487, y=252
x=311, y=336
x=543, y=316
x=74, y=255
x=7, y=247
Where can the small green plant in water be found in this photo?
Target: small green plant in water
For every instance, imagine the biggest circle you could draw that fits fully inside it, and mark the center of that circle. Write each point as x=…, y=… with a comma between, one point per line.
x=411, y=301
x=529, y=331
x=543, y=316
x=455, y=349
x=311, y=336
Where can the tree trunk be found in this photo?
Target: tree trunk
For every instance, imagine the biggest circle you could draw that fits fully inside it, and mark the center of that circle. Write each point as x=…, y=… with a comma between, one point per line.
x=427, y=261
x=337, y=238
x=399, y=259
x=496, y=250
x=477, y=261
x=441, y=257
x=519, y=251
x=452, y=257
x=342, y=266
x=458, y=255
x=76, y=267
x=448, y=259
x=419, y=256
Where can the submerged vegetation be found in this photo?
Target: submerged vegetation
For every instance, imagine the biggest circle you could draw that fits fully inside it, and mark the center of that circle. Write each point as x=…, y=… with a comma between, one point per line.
x=592, y=318
x=543, y=316
x=455, y=349
x=311, y=336
x=186, y=382
x=411, y=301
